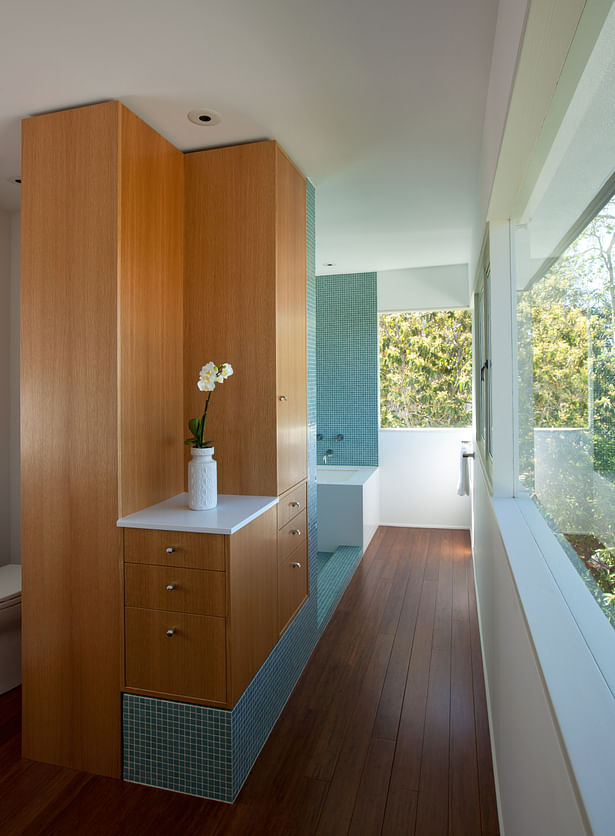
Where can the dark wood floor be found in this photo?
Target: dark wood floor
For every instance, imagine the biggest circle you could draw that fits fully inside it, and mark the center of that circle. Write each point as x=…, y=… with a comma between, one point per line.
x=386, y=731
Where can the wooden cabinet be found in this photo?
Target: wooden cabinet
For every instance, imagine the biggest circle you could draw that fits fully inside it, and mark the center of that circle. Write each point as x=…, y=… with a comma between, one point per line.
x=293, y=578
x=180, y=655
x=111, y=347
x=101, y=405
x=245, y=304
x=197, y=628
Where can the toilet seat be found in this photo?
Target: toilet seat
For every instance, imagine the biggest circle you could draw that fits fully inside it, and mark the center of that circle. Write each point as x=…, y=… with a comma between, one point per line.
x=10, y=585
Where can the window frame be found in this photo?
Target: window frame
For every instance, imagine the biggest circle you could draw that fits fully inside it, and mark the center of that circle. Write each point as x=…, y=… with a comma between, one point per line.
x=483, y=403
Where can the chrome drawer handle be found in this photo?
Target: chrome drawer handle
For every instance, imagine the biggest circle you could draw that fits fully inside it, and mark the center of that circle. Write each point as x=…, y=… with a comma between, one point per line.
x=295, y=531
x=295, y=505
x=283, y=397
x=171, y=632
x=171, y=587
x=296, y=565
x=171, y=549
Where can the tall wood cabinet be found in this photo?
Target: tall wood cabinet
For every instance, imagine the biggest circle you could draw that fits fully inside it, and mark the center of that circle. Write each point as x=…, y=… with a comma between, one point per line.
x=245, y=304
x=101, y=405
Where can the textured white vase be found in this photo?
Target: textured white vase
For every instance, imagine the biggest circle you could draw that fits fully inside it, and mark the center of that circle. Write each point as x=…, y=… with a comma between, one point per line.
x=202, y=479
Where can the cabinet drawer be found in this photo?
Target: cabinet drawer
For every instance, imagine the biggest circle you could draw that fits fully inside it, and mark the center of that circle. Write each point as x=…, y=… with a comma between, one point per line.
x=292, y=585
x=291, y=503
x=175, y=548
x=292, y=535
x=190, y=663
x=191, y=590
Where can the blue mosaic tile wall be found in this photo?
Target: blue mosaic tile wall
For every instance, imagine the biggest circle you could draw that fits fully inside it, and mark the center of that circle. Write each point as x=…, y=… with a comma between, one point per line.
x=207, y=751
x=347, y=367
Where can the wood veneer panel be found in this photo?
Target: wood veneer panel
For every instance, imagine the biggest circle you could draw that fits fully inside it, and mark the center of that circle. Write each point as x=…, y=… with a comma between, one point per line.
x=69, y=463
x=150, y=316
x=253, y=588
x=193, y=590
x=229, y=308
x=292, y=535
x=292, y=584
x=190, y=663
x=291, y=324
x=292, y=503
x=190, y=550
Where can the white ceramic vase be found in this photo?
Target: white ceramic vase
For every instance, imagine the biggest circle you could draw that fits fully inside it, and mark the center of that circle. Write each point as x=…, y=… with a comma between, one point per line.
x=202, y=479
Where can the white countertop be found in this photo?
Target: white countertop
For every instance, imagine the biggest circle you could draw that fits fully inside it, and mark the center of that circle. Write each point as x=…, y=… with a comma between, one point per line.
x=230, y=514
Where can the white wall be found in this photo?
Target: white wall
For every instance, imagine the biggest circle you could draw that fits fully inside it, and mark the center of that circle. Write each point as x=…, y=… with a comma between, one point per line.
x=419, y=473
x=423, y=289
x=5, y=331
x=536, y=793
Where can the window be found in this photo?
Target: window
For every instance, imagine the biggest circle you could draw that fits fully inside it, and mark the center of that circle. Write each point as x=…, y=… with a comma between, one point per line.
x=482, y=347
x=566, y=400
x=426, y=369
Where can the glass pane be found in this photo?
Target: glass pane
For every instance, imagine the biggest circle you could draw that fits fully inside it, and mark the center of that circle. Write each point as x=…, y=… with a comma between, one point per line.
x=426, y=369
x=480, y=348
x=566, y=401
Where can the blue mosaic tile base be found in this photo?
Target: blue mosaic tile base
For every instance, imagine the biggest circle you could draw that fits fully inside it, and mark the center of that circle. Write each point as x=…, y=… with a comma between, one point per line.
x=181, y=747
x=347, y=367
x=333, y=579
x=323, y=558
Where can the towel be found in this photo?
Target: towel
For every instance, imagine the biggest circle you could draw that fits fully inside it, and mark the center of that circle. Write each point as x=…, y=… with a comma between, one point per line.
x=463, y=488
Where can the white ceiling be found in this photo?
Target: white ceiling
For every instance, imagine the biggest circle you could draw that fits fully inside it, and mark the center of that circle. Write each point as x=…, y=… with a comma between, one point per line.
x=379, y=102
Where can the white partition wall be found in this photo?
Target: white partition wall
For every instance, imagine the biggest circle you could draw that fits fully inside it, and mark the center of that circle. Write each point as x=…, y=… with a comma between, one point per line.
x=419, y=475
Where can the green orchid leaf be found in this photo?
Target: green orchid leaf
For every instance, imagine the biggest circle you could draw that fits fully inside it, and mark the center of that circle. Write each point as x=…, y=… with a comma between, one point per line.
x=194, y=425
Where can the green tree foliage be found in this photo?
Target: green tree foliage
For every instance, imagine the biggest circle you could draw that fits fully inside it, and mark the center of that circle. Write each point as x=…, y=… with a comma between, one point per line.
x=426, y=369
x=560, y=351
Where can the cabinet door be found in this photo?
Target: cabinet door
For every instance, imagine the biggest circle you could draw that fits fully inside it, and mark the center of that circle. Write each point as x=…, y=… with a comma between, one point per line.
x=178, y=590
x=291, y=325
x=175, y=548
x=292, y=585
x=176, y=653
x=253, y=599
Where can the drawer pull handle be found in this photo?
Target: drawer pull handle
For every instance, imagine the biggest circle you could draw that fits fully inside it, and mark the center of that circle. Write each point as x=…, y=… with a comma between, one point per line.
x=171, y=632
x=296, y=532
x=171, y=587
x=283, y=397
x=295, y=505
x=296, y=565
x=171, y=549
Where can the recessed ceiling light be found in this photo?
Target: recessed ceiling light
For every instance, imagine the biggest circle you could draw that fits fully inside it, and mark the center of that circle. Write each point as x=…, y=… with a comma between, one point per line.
x=204, y=116
x=328, y=264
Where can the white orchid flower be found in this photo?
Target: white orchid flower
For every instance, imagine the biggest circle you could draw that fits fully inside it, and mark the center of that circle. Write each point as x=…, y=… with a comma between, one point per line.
x=209, y=375
x=226, y=370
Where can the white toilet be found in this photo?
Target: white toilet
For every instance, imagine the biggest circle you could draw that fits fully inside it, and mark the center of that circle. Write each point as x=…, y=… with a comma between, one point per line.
x=10, y=627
